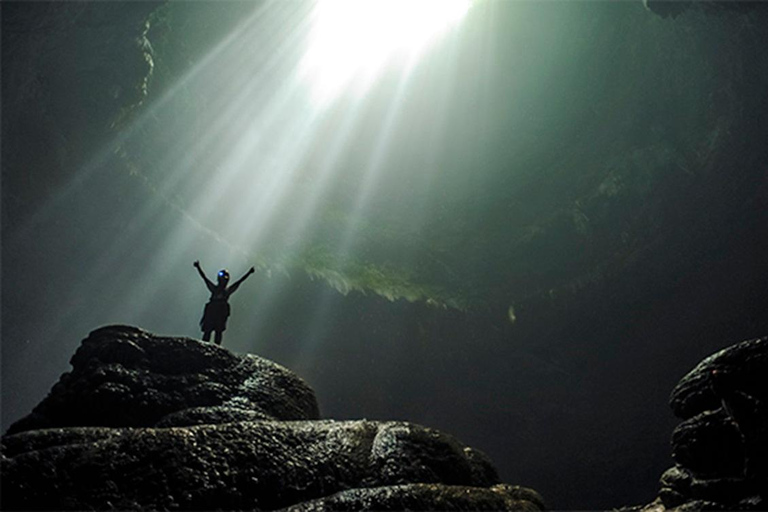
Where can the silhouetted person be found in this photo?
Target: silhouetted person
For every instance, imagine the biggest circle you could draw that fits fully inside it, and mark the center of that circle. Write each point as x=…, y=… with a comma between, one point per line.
x=217, y=310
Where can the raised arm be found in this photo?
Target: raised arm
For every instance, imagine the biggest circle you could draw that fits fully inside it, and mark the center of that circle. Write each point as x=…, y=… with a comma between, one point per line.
x=208, y=282
x=237, y=283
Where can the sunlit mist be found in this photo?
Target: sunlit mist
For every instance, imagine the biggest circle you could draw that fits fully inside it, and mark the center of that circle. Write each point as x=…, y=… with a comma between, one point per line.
x=475, y=214
x=351, y=40
x=283, y=142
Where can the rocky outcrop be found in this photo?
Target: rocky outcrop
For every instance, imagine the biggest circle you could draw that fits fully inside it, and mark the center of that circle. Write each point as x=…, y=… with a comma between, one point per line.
x=149, y=422
x=674, y=8
x=720, y=448
x=125, y=377
x=426, y=497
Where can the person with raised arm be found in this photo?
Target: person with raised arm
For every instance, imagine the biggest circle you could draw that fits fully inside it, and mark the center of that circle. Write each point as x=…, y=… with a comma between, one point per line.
x=217, y=309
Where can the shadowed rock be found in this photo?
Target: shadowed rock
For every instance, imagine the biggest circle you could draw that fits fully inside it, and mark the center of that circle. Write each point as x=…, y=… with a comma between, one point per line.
x=674, y=8
x=720, y=450
x=427, y=497
x=745, y=363
x=709, y=444
x=245, y=465
x=189, y=425
x=125, y=377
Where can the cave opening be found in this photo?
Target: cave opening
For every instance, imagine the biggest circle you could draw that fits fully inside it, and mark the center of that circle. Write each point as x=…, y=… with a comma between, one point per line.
x=519, y=222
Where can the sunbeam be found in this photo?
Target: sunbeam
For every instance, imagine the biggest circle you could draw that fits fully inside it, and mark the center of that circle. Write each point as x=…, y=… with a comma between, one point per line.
x=516, y=221
x=352, y=40
x=280, y=165
x=267, y=173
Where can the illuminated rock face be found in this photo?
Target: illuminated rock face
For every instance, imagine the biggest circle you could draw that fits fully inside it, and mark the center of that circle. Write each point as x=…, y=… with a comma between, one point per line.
x=104, y=439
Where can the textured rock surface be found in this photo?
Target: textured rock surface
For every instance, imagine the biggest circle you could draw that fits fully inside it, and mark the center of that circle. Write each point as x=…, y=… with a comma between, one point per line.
x=428, y=497
x=149, y=422
x=264, y=465
x=709, y=444
x=125, y=377
x=674, y=8
x=721, y=447
x=745, y=363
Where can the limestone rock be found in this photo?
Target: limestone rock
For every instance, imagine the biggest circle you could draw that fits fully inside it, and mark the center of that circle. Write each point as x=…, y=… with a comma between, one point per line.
x=245, y=465
x=427, y=497
x=745, y=363
x=720, y=448
x=674, y=8
x=161, y=423
x=126, y=377
x=709, y=444
x=667, y=9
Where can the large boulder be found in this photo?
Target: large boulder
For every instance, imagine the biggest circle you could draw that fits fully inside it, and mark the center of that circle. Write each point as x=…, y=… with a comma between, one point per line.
x=162, y=423
x=744, y=364
x=125, y=377
x=428, y=497
x=721, y=447
x=242, y=465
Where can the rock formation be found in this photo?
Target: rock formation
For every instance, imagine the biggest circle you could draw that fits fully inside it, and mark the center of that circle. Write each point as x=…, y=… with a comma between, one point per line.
x=672, y=9
x=149, y=422
x=721, y=447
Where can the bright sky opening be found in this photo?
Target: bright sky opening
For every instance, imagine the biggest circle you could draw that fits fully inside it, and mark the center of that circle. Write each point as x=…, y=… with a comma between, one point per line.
x=354, y=40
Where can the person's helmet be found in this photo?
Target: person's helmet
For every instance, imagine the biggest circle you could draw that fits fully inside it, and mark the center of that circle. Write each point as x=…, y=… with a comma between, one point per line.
x=223, y=275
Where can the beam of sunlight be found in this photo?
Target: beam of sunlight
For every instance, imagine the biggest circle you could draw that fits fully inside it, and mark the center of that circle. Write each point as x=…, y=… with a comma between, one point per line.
x=352, y=40
x=374, y=171
x=287, y=92
x=102, y=157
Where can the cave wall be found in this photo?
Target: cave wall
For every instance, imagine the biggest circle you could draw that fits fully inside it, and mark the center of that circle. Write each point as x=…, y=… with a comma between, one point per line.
x=582, y=375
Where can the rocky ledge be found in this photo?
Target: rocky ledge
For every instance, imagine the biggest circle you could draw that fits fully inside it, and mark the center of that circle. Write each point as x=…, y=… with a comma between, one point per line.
x=721, y=447
x=164, y=423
